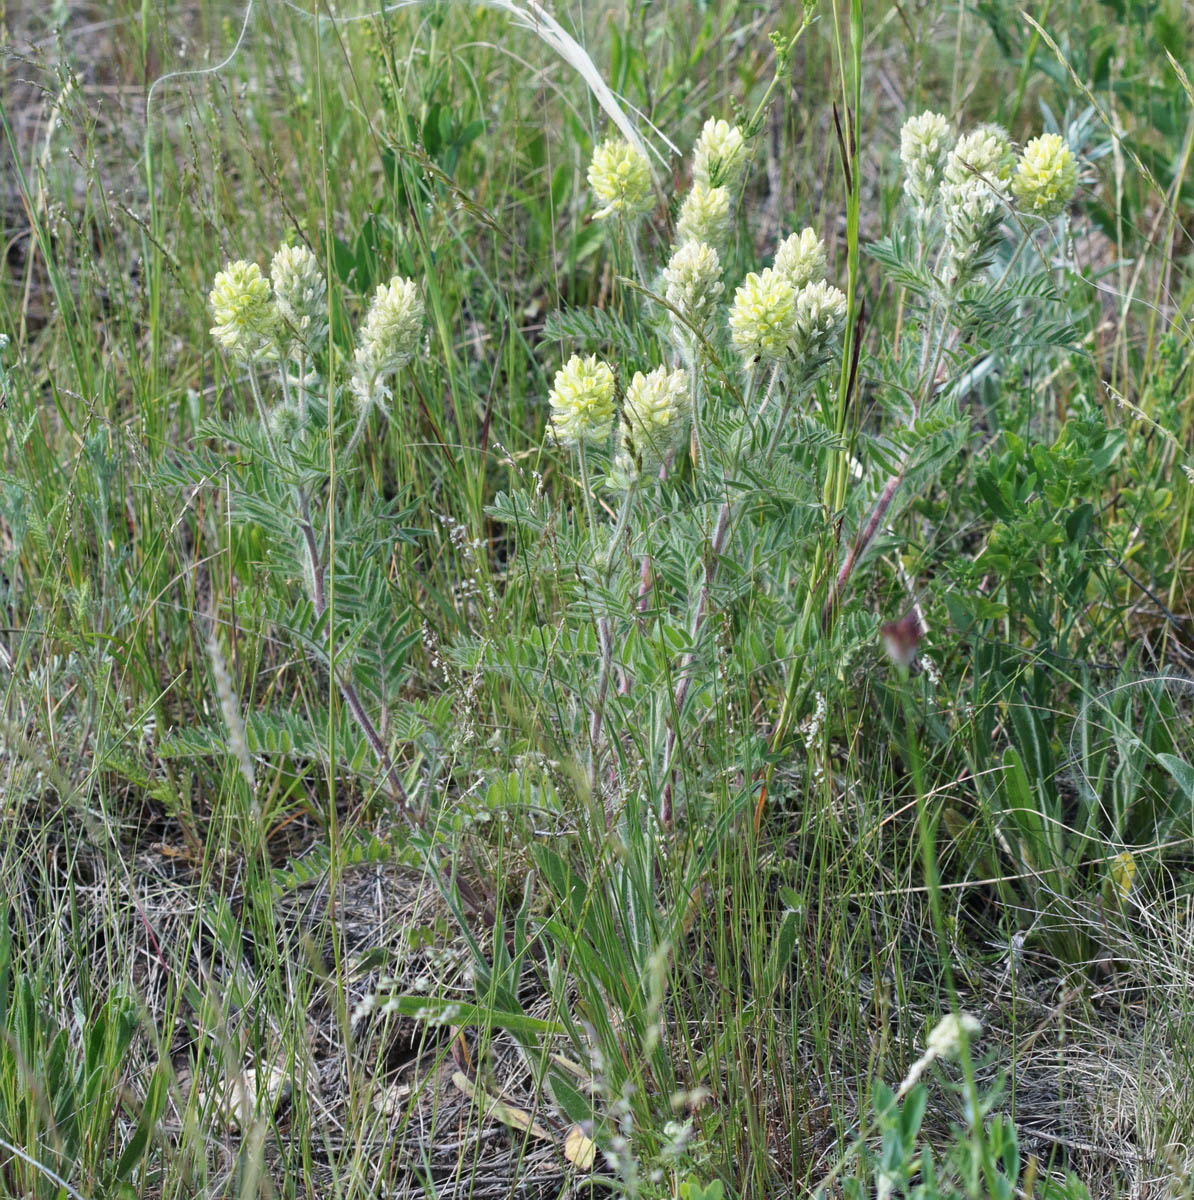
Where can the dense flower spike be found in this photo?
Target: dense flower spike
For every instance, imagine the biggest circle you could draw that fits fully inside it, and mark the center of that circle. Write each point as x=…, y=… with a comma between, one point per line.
x=692, y=286
x=582, y=401
x=800, y=258
x=719, y=157
x=245, y=315
x=763, y=317
x=301, y=290
x=1046, y=176
x=705, y=217
x=984, y=153
x=393, y=325
x=925, y=141
x=620, y=177
x=388, y=341
x=972, y=216
x=820, y=319
x=656, y=416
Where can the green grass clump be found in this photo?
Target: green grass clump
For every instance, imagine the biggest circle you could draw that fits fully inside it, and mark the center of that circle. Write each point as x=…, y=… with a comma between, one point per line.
x=584, y=593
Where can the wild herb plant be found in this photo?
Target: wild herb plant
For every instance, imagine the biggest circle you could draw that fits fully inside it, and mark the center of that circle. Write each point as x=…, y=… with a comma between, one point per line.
x=730, y=425
x=600, y=666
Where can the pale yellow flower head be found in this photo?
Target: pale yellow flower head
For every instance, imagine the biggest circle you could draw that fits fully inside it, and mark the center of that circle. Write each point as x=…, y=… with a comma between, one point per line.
x=620, y=177
x=925, y=140
x=763, y=317
x=719, y=157
x=393, y=325
x=800, y=258
x=820, y=319
x=388, y=340
x=984, y=153
x=1046, y=176
x=301, y=293
x=245, y=316
x=705, y=217
x=692, y=285
x=655, y=415
x=582, y=401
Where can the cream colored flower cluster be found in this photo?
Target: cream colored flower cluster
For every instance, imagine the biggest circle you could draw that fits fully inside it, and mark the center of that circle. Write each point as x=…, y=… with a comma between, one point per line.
x=693, y=288
x=655, y=415
x=719, y=162
x=582, y=401
x=1046, y=177
x=620, y=177
x=788, y=314
x=251, y=323
x=655, y=419
x=974, y=177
